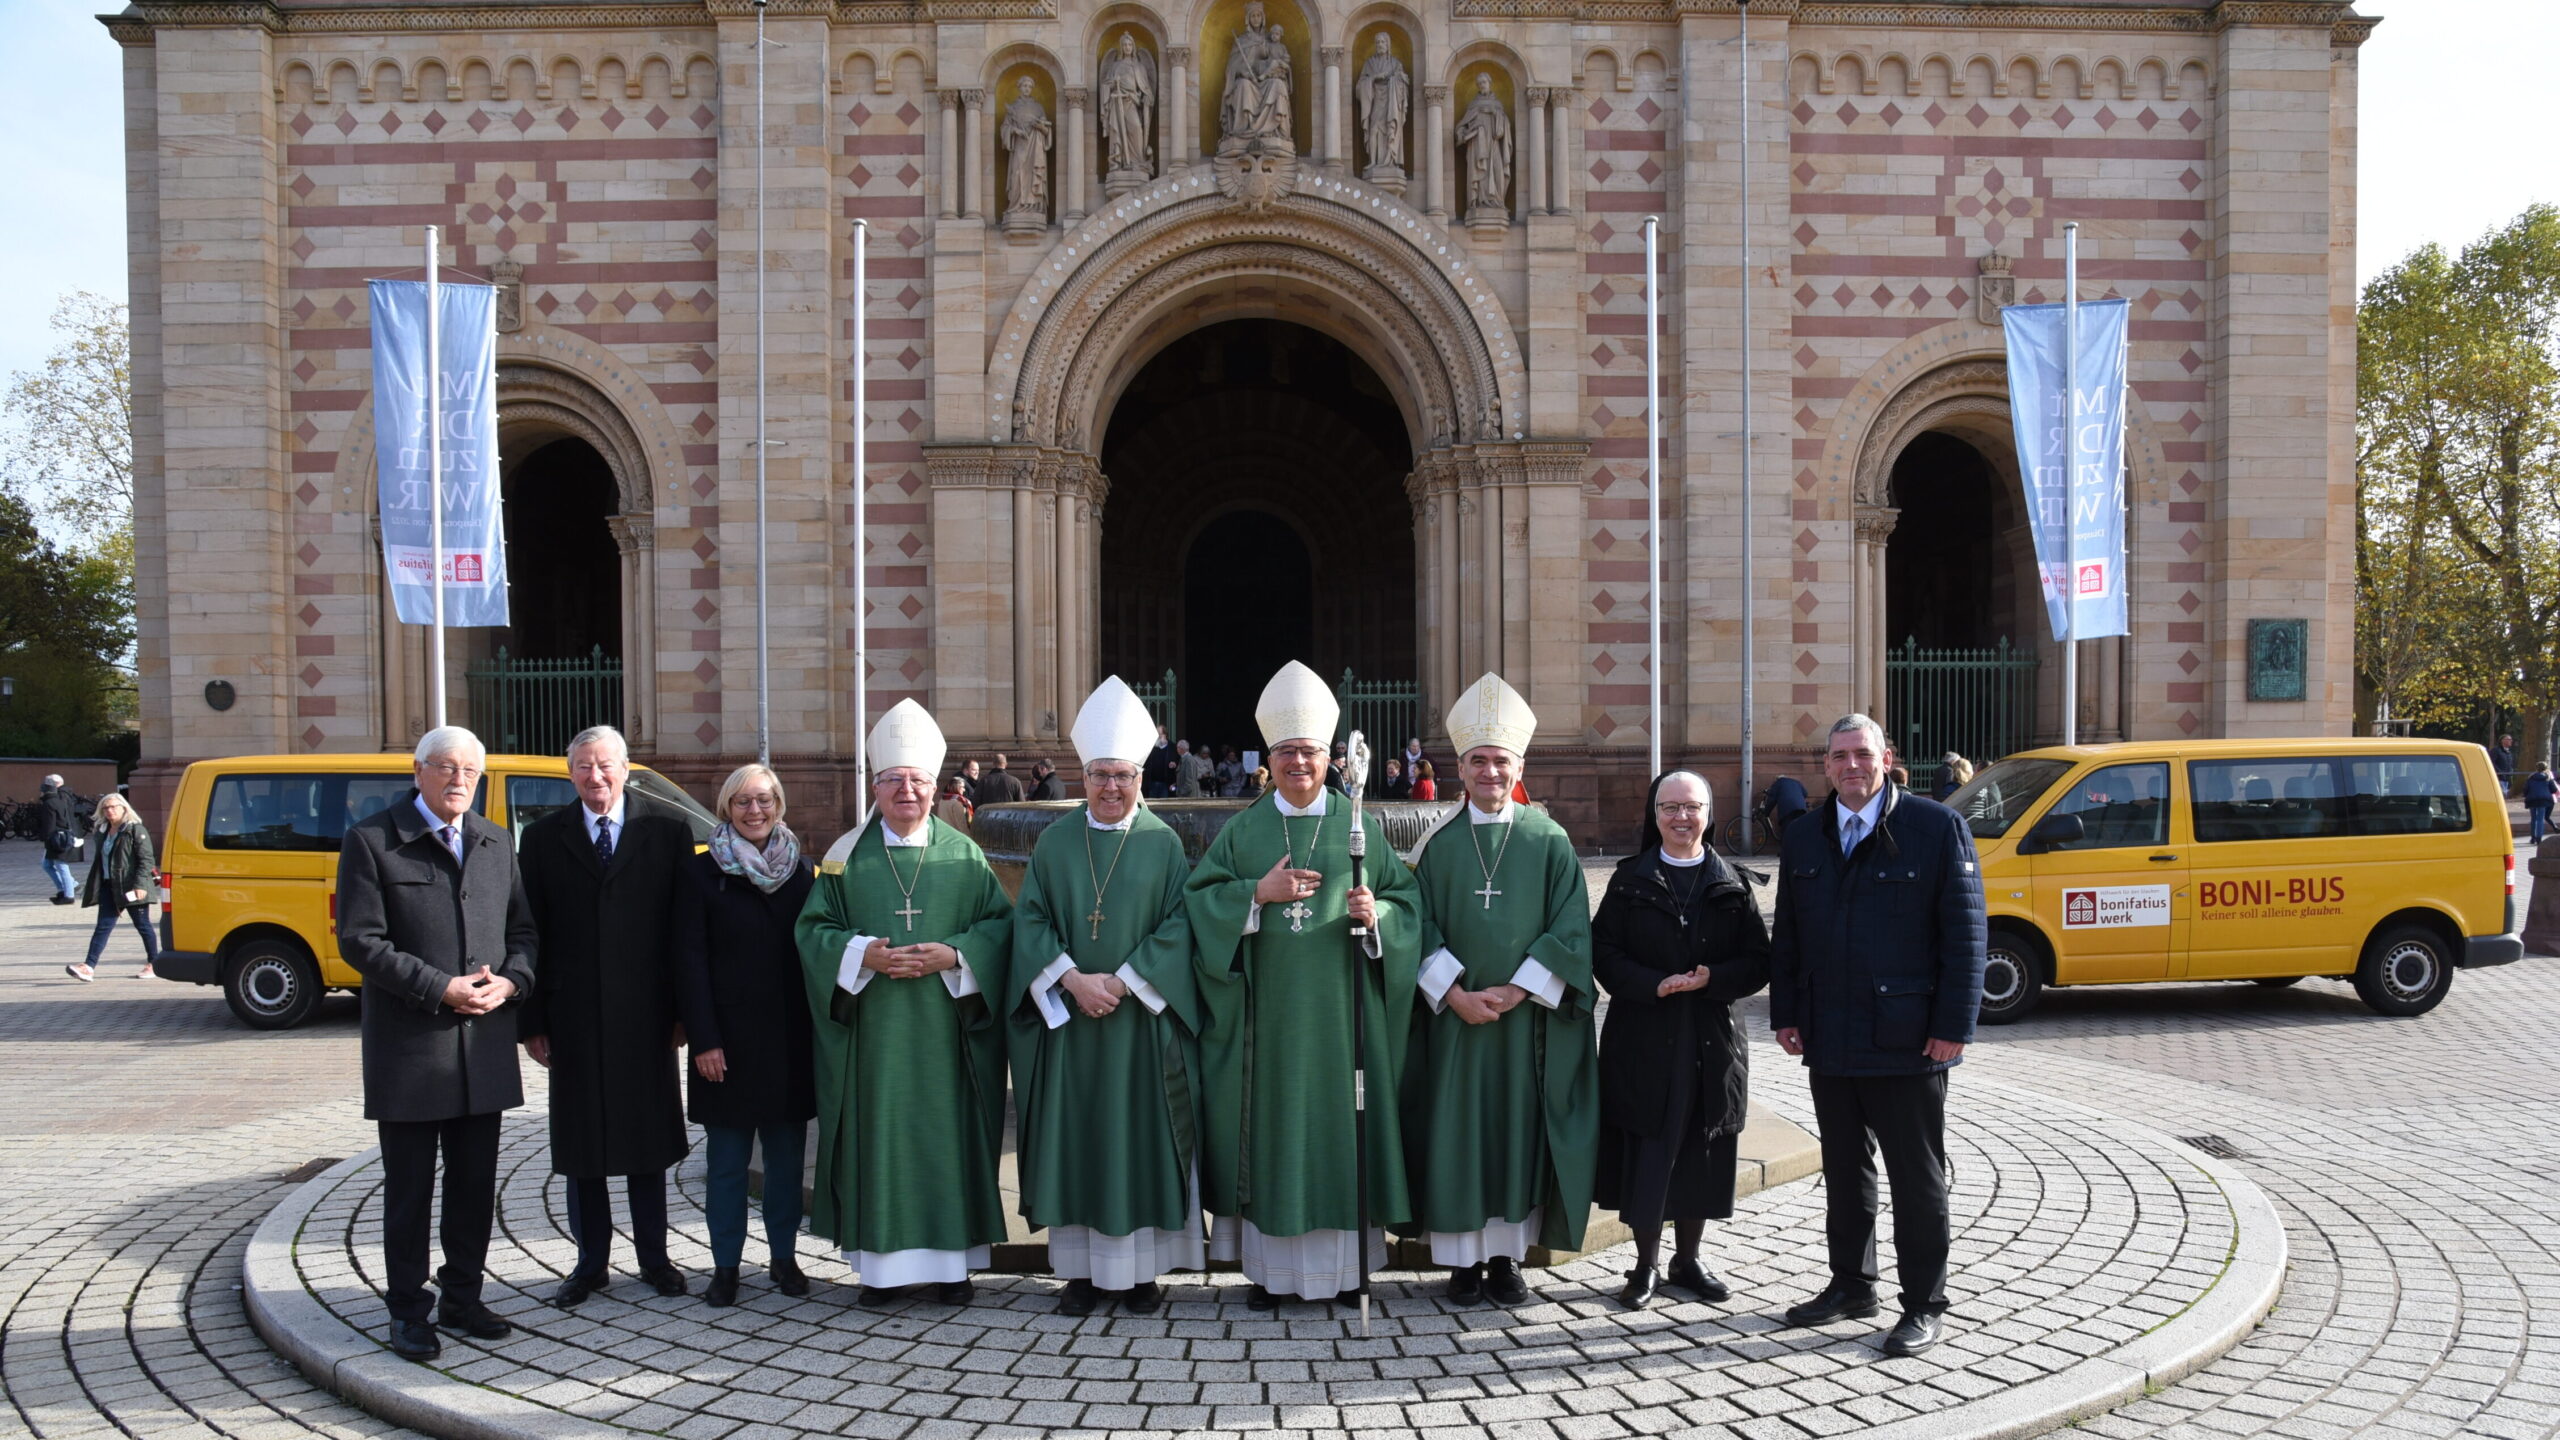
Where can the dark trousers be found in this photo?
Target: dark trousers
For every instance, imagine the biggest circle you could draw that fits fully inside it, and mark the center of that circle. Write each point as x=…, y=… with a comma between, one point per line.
x=470, y=1144
x=1905, y=1116
x=724, y=1185
x=108, y=915
x=591, y=1220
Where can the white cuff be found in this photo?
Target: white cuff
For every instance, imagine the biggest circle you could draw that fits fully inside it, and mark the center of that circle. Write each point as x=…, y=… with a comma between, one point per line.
x=1253, y=918
x=1147, y=994
x=1439, y=972
x=1044, y=991
x=850, y=976
x=1543, y=985
x=959, y=979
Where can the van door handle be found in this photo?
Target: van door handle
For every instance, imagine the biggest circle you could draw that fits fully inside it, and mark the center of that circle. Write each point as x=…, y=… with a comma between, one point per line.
x=2162, y=859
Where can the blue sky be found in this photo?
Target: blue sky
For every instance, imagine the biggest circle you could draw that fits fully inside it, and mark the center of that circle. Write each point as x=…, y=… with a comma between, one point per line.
x=2452, y=145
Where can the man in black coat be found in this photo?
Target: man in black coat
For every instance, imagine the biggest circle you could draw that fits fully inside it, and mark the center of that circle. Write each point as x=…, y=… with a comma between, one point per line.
x=1045, y=784
x=1000, y=786
x=601, y=878
x=1875, y=978
x=432, y=914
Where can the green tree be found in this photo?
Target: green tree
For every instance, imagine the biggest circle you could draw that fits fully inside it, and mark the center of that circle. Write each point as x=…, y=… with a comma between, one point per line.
x=66, y=619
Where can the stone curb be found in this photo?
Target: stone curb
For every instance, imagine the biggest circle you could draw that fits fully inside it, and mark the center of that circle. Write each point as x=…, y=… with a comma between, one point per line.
x=359, y=1367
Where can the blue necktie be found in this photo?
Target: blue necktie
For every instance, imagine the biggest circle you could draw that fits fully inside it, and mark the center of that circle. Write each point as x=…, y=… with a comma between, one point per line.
x=604, y=839
x=1852, y=830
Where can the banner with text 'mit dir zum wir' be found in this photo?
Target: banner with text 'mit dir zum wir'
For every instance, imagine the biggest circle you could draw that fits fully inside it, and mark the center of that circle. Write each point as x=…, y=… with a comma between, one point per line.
x=2078, y=521
x=475, y=555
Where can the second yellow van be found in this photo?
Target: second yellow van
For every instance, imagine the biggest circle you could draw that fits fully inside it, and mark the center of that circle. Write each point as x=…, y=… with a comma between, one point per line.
x=249, y=864
x=2389, y=863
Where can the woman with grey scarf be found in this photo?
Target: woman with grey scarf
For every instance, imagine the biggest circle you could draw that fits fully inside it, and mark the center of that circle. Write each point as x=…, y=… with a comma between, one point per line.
x=746, y=1021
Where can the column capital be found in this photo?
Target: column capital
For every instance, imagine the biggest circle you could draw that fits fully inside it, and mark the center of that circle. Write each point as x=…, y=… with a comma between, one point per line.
x=949, y=99
x=1330, y=55
x=1541, y=96
x=1435, y=94
x=973, y=99
x=1075, y=97
x=1875, y=523
x=1177, y=55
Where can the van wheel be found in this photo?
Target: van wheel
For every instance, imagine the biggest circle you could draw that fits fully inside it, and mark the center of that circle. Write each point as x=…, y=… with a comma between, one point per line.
x=2405, y=970
x=2278, y=982
x=2012, y=978
x=271, y=985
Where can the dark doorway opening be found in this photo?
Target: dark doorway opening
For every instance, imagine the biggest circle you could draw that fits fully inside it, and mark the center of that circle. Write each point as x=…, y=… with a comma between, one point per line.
x=564, y=574
x=1257, y=515
x=1949, y=578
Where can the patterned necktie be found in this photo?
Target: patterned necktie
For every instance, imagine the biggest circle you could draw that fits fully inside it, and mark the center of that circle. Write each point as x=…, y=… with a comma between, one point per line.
x=446, y=835
x=1852, y=830
x=604, y=839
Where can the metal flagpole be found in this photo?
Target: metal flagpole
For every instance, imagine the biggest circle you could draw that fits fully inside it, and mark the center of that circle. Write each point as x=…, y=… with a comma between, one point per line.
x=1653, y=491
x=764, y=652
x=1750, y=595
x=435, y=478
x=861, y=558
x=2070, y=482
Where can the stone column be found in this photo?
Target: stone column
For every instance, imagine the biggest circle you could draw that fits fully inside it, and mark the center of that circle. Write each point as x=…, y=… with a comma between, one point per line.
x=1068, y=681
x=1560, y=146
x=1071, y=200
x=635, y=536
x=978, y=198
x=950, y=106
x=1489, y=576
x=1533, y=156
x=1435, y=152
x=1869, y=641
x=1178, y=147
x=1329, y=134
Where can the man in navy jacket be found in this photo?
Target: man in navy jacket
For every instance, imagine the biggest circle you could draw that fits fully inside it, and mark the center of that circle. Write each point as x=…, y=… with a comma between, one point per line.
x=1875, y=977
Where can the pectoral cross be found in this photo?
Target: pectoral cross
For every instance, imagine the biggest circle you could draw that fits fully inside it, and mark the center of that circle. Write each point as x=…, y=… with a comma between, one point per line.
x=1095, y=919
x=1488, y=892
x=1298, y=914
x=910, y=912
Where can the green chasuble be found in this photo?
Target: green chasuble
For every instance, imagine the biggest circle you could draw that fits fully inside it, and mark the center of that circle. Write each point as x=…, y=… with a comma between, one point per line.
x=1506, y=1116
x=1277, y=1149
x=1108, y=1109
x=910, y=1080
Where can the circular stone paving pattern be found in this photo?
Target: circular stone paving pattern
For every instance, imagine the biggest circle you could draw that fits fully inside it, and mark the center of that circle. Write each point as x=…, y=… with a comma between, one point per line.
x=2092, y=1259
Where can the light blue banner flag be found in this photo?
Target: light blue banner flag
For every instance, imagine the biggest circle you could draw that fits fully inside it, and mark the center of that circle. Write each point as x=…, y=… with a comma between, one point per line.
x=2079, y=522
x=475, y=550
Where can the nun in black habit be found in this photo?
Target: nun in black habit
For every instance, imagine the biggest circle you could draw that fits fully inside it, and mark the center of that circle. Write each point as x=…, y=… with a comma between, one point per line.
x=1678, y=939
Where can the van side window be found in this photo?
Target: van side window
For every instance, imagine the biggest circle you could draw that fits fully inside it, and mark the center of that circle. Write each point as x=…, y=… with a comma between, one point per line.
x=276, y=813
x=2119, y=805
x=2408, y=795
x=530, y=797
x=2288, y=799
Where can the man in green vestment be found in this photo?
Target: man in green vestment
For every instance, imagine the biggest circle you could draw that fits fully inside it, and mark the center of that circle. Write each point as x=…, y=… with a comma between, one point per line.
x=904, y=920
x=1503, y=1115
x=1272, y=909
x=1105, y=1020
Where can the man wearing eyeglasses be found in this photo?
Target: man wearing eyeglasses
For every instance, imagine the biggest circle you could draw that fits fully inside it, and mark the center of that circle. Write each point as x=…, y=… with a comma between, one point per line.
x=431, y=913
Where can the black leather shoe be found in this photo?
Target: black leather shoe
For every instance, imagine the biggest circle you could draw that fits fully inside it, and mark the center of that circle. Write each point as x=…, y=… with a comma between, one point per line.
x=665, y=1279
x=473, y=1319
x=576, y=1288
x=1466, y=1285
x=1502, y=1282
x=415, y=1340
x=784, y=1272
x=1698, y=1280
x=1257, y=1298
x=1916, y=1333
x=878, y=1297
x=955, y=1292
x=722, y=1292
x=1142, y=1298
x=1840, y=1302
x=1639, y=1289
x=1079, y=1298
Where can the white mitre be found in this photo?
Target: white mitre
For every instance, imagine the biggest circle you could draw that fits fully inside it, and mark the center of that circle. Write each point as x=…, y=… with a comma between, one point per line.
x=1114, y=725
x=1296, y=706
x=907, y=736
x=1491, y=713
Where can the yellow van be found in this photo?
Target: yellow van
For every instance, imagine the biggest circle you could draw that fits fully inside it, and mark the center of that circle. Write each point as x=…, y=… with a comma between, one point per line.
x=249, y=866
x=2387, y=862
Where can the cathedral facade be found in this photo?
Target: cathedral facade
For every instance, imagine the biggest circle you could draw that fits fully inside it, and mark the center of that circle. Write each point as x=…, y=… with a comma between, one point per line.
x=1206, y=334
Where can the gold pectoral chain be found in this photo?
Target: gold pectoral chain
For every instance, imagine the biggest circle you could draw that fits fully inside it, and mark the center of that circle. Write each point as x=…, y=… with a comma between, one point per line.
x=1102, y=883
x=1488, y=892
x=906, y=887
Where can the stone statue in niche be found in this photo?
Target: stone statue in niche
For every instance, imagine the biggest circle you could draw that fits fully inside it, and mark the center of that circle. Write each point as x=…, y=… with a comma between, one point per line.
x=1025, y=136
x=1255, y=110
x=1385, y=94
x=1484, y=140
x=1128, y=109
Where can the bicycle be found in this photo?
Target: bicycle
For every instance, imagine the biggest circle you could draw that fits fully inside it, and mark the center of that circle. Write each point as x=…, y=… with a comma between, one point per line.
x=1764, y=832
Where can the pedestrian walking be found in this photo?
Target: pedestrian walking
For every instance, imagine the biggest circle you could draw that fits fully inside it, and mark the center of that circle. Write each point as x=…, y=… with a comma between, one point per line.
x=1954, y=771
x=2538, y=791
x=432, y=914
x=746, y=1019
x=122, y=876
x=1677, y=941
x=1875, y=979
x=2502, y=762
x=59, y=828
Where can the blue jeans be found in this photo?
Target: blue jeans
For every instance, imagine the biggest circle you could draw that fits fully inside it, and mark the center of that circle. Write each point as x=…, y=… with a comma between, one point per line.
x=2541, y=820
x=58, y=874
x=724, y=1208
x=107, y=916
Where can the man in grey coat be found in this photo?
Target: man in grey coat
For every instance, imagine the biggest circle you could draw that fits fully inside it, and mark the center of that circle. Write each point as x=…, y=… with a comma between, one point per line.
x=432, y=914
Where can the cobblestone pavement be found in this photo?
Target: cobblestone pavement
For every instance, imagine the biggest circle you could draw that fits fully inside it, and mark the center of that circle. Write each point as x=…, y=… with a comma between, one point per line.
x=2413, y=1162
